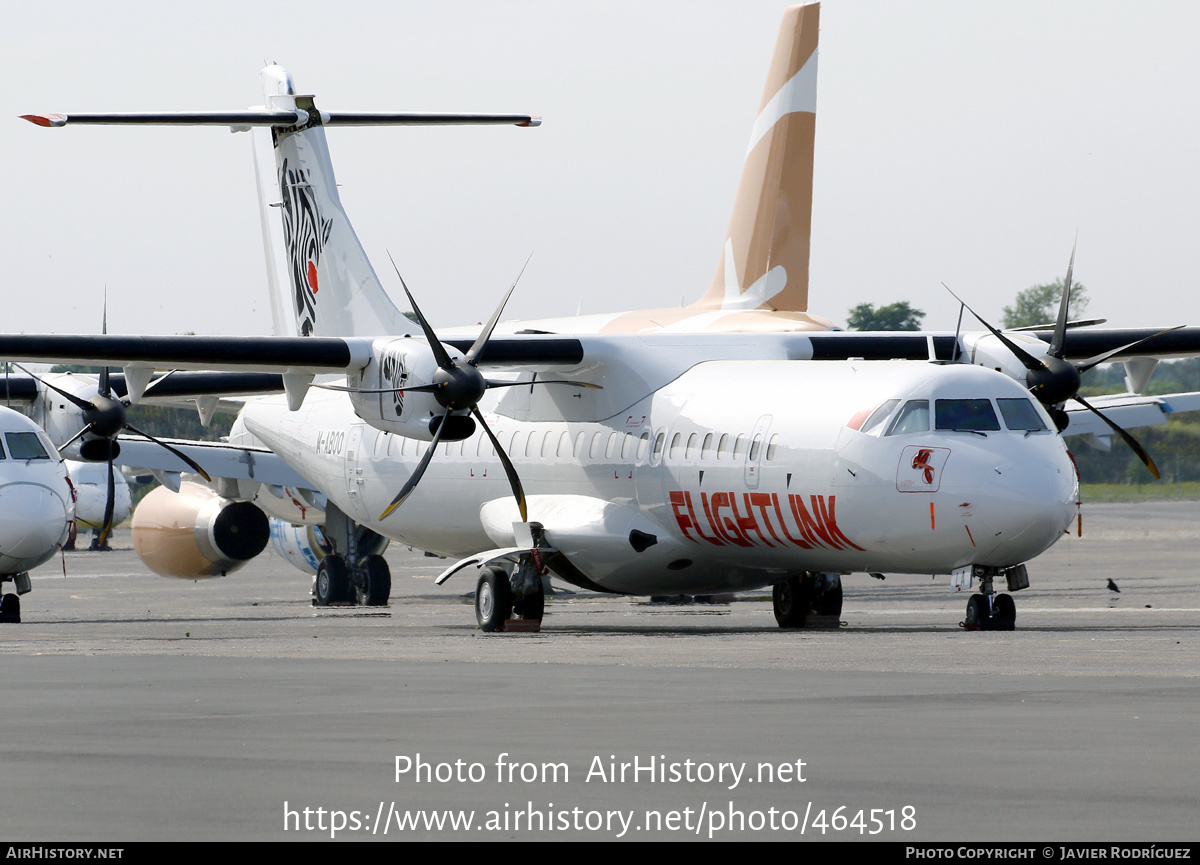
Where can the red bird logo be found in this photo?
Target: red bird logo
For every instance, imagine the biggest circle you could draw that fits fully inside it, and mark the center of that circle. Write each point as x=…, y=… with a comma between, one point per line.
x=921, y=461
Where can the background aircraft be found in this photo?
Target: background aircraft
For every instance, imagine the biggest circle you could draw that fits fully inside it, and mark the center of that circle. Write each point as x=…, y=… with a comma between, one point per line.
x=36, y=505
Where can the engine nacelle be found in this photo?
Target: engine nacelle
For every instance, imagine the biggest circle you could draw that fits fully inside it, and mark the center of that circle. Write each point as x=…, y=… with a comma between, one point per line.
x=195, y=533
x=399, y=362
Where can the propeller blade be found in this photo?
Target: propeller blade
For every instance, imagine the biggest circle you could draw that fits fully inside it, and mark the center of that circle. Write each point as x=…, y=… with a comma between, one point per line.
x=109, y=506
x=513, y=480
x=68, y=442
x=150, y=387
x=1030, y=362
x=191, y=462
x=79, y=402
x=1129, y=440
x=1060, y=326
x=439, y=351
x=486, y=333
x=492, y=384
x=1084, y=366
x=415, y=477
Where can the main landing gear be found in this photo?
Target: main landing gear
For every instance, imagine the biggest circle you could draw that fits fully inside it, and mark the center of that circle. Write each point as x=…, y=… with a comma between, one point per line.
x=10, y=603
x=987, y=611
x=802, y=595
x=500, y=597
x=353, y=570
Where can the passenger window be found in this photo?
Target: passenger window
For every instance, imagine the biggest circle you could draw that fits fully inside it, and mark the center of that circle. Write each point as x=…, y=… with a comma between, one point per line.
x=546, y=443
x=976, y=415
x=394, y=444
x=674, y=453
x=706, y=448
x=658, y=444
x=627, y=446
x=578, y=454
x=723, y=447
x=739, y=447
x=1019, y=414
x=564, y=445
x=513, y=445
x=643, y=441
x=874, y=423
x=594, y=453
x=691, y=447
x=771, y=445
x=755, y=446
x=611, y=450
x=914, y=417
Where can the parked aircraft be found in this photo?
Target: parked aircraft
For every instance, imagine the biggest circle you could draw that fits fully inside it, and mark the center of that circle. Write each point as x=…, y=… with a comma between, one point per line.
x=36, y=505
x=646, y=458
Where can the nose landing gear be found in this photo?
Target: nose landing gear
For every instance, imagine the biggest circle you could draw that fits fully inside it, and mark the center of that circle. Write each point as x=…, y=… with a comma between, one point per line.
x=987, y=611
x=990, y=613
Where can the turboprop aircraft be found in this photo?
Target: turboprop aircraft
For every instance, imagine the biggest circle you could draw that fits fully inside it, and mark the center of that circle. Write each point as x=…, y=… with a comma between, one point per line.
x=645, y=458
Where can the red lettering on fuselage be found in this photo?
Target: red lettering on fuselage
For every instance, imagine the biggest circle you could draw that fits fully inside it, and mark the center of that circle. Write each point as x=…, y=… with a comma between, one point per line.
x=815, y=524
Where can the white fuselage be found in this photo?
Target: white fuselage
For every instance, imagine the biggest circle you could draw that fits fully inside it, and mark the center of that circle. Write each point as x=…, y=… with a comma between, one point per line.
x=36, y=505
x=741, y=472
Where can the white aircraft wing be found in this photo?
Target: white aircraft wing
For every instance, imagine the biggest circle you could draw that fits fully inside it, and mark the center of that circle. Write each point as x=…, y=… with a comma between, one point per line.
x=218, y=459
x=1127, y=411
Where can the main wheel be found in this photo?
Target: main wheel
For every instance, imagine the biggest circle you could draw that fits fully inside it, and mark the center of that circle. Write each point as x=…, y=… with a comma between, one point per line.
x=1006, y=614
x=979, y=617
x=828, y=601
x=531, y=606
x=10, y=608
x=493, y=599
x=333, y=582
x=790, y=602
x=378, y=582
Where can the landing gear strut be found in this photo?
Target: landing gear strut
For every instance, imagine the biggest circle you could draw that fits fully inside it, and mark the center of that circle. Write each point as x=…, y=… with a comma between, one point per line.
x=987, y=611
x=353, y=570
x=500, y=596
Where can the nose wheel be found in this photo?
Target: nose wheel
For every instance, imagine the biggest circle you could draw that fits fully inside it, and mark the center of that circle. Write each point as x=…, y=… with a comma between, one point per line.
x=990, y=613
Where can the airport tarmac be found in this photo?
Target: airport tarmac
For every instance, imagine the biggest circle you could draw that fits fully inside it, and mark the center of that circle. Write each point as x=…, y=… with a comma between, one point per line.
x=140, y=708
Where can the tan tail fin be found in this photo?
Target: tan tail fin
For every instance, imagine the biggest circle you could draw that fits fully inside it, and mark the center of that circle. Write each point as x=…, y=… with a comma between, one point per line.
x=764, y=264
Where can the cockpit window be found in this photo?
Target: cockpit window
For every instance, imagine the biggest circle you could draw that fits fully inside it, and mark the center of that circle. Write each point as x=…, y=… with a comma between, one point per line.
x=1019, y=414
x=26, y=446
x=966, y=414
x=879, y=417
x=914, y=417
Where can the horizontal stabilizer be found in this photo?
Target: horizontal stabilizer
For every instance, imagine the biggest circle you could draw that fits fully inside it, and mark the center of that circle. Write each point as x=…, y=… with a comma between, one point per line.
x=299, y=117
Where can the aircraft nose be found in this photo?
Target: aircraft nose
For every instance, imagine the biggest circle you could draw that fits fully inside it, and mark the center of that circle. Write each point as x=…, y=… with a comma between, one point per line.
x=32, y=520
x=1031, y=503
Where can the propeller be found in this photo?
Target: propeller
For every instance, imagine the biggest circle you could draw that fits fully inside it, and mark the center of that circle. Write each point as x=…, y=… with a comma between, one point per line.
x=458, y=386
x=105, y=418
x=1053, y=379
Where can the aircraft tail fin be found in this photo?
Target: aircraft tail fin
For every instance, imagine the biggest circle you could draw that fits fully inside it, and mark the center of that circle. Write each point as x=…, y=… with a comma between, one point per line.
x=764, y=263
x=333, y=288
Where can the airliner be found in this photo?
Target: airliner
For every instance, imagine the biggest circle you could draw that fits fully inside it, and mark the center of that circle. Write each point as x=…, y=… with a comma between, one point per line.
x=736, y=444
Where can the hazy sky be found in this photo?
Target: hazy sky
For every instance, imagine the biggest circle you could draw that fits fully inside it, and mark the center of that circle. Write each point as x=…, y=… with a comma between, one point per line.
x=963, y=142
